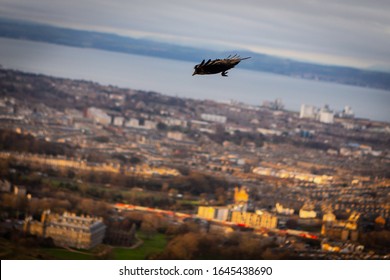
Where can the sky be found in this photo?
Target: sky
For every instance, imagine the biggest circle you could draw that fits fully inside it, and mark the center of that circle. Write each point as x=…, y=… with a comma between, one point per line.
x=341, y=32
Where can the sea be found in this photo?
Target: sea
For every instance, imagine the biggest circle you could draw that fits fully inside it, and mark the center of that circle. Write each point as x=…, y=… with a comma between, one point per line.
x=174, y=78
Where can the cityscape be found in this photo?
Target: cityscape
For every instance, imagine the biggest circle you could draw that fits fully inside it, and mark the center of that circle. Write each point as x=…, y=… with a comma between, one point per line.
x=92, y=171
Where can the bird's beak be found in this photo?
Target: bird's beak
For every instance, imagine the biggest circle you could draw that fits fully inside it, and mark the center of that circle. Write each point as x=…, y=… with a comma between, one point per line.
x=193, y=73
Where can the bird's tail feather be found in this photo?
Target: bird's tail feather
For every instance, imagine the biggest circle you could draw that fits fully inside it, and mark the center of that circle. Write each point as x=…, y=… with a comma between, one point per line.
x=237, y=57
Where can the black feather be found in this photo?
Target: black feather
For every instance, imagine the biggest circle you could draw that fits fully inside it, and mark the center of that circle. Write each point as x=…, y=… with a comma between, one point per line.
x=217, y=65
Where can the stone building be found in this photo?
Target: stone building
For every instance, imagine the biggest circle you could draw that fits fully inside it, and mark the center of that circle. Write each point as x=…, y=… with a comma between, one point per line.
x=241, y=199
x=341, y=229
x=261, y=219
x=121, y=232
x=215, y=213
x=68, y=230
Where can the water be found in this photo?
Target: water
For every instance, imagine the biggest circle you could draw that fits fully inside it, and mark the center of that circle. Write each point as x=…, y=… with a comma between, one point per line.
x=174, y=78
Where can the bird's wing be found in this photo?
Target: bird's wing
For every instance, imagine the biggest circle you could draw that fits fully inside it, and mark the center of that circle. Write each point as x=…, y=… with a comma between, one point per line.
x=214, y=62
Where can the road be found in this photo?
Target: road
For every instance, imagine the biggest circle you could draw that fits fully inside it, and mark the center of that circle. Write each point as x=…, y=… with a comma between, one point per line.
x=181, y=216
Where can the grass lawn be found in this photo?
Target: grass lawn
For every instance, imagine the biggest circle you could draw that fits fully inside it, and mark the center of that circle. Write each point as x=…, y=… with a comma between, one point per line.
x=63, y=254
x=153, y=245
x=190, y=202
x=9, y=250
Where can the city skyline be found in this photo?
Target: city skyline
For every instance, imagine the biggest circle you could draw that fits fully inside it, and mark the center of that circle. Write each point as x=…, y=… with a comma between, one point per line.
x=256, y=182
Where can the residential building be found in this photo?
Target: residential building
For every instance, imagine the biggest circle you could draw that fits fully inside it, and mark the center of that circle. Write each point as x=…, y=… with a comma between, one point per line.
x=326, y=115
x=307, y=112
x=341, y=229
x=256, y=220
x=98, y=115
x=118, y=121
x=213, y=118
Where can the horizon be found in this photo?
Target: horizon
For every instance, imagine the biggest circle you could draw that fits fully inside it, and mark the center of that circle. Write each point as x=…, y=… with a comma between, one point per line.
x=330, y=33
x=374, y=68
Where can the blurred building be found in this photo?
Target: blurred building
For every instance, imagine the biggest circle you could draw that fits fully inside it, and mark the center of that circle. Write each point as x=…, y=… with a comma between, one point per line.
x=213, y=118
x=121, y=232
x=132, y=123
x=307, y=214
x=175, y=135
x=347, y=112
x=307, y=112
x=341, y=229
x=341, y=247
x=307, y=211
x=118, y=121
x=68, y=230
x=98, y=115
x=284, y=211
x=241, y=198
x=260, y=219
x=237, y=214
x=326, y=115
x=214, y=213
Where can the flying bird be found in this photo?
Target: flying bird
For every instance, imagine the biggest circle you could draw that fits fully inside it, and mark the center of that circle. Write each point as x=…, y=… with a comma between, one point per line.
x=217, y=65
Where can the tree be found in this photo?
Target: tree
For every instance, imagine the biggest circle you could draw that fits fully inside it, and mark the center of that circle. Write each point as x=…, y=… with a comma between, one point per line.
x=183, y=247
x=4, y=165
x=135, y=160
x=377, y=240
x=150, y=224
x=162, y=126
x=292, y=223
x=220, y=195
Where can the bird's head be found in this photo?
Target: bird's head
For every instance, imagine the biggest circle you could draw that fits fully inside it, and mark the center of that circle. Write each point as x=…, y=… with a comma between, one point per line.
x=196, y=70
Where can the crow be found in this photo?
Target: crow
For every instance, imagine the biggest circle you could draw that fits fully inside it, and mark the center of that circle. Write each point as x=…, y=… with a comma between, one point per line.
x=217, y=65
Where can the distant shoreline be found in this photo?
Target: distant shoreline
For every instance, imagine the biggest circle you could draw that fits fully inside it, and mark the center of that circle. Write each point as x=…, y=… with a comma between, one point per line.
x=260, y=62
